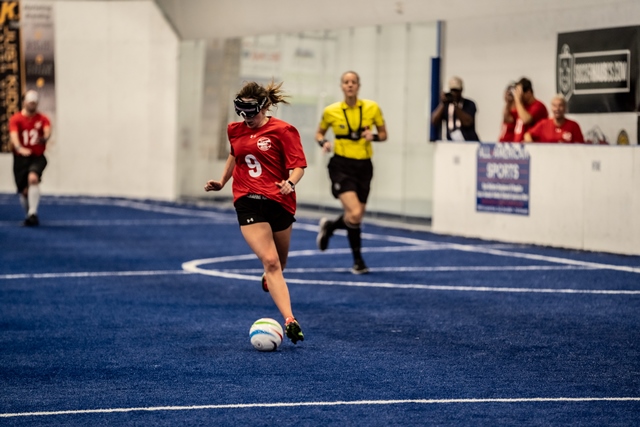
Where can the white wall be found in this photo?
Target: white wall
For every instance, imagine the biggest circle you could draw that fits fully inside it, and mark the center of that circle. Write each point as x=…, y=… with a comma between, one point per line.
x=487, y=42
x=116, y=95
x=581, y=197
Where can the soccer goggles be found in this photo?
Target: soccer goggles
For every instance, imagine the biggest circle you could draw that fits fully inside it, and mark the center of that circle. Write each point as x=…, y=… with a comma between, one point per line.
x=248, y=108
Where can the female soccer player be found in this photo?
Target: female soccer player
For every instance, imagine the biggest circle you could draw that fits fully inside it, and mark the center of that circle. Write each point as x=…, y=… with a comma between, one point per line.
x=266, y=162
x=350, y=168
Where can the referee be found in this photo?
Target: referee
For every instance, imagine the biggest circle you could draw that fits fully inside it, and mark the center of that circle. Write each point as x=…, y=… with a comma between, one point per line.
x=353, y=122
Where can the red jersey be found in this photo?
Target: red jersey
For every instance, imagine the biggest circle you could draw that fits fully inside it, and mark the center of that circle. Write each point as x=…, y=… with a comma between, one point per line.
x=507, y=132
x=538, y=112
x=265, y=156
x=547, y=131
x=30, y=131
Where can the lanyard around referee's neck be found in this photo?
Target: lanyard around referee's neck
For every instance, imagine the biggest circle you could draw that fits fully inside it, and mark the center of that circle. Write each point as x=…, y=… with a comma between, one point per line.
x=354, y=135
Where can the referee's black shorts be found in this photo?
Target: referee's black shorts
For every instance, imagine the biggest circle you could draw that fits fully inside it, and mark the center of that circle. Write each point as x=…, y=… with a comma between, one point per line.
x=350, y=175
x=254, y=208
x=23, y=165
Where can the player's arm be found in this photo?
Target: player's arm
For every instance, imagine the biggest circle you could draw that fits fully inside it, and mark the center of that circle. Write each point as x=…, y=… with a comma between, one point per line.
x=14, y=138
x=527, y=137
x=46, y=134
x=213, y=185
x=287, y=186
x=320, y=139
x=378, y=137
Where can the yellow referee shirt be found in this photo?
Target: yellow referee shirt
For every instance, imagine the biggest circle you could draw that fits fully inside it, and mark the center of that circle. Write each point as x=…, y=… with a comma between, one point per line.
x=345, y=120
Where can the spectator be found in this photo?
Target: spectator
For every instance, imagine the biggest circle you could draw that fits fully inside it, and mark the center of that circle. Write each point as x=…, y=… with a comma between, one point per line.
x=528, y=110
x=457, y=112
x=29, y=131
x=556, y=128
x=508, y=120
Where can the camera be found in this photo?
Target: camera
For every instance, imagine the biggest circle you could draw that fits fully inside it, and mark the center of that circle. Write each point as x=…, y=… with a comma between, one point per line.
x=448, y=96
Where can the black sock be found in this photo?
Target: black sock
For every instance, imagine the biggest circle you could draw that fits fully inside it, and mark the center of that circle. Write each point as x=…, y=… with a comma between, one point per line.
x=337, y=224
x=355, y=241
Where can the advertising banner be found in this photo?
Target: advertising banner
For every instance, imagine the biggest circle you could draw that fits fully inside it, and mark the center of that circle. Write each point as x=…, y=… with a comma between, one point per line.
x=10, y=68
x=37, y=32
x=597, y=70
x=502, y=184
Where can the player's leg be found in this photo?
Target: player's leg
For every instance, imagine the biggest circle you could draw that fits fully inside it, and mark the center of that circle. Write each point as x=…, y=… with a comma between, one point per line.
x=339, y=174
x=354, y=211
x=21, y=177
x=33, y=193
x=282, y=240
x=259, y=237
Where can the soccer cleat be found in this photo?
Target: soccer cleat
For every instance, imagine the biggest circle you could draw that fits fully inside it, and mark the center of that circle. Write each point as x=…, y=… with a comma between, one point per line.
x=359, y=267
x=323, y=234
x=293, y=330
x=263, y=280
x=31, y=221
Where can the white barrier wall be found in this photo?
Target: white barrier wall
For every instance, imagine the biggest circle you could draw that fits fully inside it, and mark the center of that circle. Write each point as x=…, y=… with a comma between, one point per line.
x=116, y=95
x=581, y=197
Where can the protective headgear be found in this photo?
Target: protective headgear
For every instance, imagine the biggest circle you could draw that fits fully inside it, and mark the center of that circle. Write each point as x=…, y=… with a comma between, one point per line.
x=248, y=108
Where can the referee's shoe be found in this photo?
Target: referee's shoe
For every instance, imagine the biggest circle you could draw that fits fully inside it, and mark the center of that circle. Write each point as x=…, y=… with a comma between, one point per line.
x=359, y=267
x=324, y=234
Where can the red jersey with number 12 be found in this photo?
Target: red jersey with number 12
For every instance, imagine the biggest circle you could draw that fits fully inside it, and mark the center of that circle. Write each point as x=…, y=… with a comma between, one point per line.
x=30, y=131
x=265, y=156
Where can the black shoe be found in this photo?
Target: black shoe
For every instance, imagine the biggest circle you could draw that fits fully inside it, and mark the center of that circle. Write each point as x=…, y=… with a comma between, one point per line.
x=293, y=330
x=359, y=267
x=263, y=281
x=31, y=221
x=323, y=234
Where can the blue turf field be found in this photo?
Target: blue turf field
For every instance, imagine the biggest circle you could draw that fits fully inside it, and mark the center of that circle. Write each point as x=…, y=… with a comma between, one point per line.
x=125, y=312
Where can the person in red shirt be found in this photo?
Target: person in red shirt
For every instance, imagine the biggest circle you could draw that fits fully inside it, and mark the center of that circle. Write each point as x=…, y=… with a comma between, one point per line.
x=528, y=110
x=29, y=131
x=508, y=118
x=266, y=163
x=556, y=128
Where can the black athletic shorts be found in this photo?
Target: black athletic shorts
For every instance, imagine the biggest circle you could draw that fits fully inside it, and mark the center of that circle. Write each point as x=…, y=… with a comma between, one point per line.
x=23, y=165
x=351, y=175
x=254, y=208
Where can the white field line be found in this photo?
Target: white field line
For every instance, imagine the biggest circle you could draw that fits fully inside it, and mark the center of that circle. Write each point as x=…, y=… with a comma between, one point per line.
x=126, y=222
x=91, y=274
x=289, y=270
x=193, y=268
x=320, y=403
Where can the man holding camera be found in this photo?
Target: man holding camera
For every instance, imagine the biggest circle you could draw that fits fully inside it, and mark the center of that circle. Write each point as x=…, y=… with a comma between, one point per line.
x=527, y=110
x=458, y=113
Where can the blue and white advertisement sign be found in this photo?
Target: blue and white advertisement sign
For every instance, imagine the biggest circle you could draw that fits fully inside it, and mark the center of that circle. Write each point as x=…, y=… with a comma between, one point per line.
x=503, y=179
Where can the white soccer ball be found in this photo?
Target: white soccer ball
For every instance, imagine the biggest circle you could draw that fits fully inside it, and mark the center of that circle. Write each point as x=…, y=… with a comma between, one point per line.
x=266, y=334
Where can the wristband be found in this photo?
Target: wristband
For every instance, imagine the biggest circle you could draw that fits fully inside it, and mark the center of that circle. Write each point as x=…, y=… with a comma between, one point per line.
x=376, y=137
x=293, y=186
x=321, y=142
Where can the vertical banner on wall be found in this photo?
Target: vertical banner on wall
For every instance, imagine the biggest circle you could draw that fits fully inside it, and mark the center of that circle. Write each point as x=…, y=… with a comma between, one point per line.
x=37, y=27
x=10, y=68
x=503, y=178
